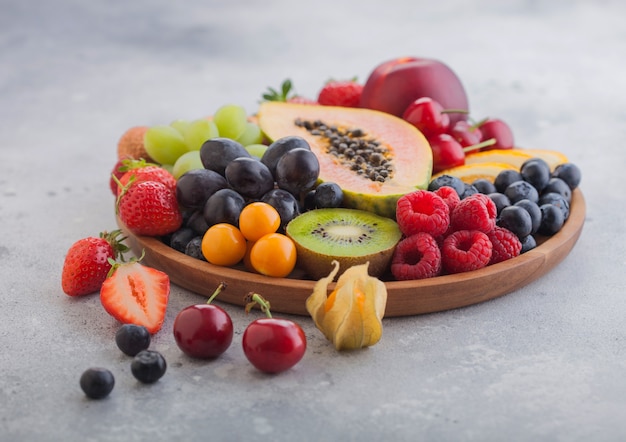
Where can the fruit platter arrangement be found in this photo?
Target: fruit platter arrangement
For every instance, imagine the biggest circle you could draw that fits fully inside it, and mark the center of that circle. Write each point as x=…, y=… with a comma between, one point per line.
x=381, y=198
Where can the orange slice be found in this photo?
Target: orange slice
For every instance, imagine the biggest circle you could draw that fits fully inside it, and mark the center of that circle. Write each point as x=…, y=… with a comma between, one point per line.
x=468, y=173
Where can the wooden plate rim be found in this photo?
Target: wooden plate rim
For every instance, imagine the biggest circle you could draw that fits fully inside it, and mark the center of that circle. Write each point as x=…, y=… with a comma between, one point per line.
x=405, y=298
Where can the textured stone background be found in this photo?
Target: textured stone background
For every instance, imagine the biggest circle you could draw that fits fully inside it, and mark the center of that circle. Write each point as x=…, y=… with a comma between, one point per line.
x=544, y=363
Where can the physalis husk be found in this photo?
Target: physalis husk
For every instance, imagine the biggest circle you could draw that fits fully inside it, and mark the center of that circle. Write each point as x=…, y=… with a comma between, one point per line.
x=351, y=315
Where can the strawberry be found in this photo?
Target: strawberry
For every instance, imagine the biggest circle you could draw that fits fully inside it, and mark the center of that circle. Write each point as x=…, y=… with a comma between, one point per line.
x=286, y=94
x=345, y=93
x=118, y=171
x=136, y=294
x=149, y=208
x=87, y=262
x=143, y=171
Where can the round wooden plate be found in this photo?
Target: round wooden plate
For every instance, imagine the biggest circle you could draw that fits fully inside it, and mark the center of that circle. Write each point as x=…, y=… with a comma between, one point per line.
x=405, y=298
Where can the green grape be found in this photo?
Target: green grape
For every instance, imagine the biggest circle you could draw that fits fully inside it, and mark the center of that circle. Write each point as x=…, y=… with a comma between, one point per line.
x=231, y=121
x=180, y=125
x=256, y=150
x=198, y=131
x=186, y=162
x=251, y=135
x=164, y=144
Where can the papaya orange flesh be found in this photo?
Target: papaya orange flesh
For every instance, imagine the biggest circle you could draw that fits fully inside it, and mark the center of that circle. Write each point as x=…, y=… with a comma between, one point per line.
x=405, y=150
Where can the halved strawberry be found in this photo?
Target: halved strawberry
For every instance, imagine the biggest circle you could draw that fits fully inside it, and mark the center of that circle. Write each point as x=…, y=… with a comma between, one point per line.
x=87, y=263
x=136, y=294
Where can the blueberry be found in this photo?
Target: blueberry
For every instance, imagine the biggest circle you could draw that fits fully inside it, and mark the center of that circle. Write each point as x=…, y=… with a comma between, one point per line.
x=506, y=177
x=536, y=171
x=97, y=382
x=557, y=185
x=194, y=248
x=148, y=366
x=468, y=190
x=568, y=172
x=533, y=210
x=308, y=202
x=528, y=243
x=551, y=219
x=179, y=239
x=328, y=195
x=447, y=180
x=500, y=200
x=520, y=190
x=517, y=220
x=484, y=186
x=132, y=338
x=556, y=199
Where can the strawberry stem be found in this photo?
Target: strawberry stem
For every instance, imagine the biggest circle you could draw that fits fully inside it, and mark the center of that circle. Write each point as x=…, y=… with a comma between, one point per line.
x=217, y=291
x=253, y=299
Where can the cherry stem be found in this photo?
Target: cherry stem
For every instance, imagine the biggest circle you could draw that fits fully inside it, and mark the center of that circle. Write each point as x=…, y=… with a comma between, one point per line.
x=489, y=142
x=217, y=291
x=455, y=111
x=252, y=299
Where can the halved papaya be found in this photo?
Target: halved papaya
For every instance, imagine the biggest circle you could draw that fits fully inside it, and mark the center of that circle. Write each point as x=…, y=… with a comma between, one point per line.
x=382, y=157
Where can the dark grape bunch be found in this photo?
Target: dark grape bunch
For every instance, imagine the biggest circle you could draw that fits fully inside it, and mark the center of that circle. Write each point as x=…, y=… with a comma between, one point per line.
x=530, y=201
x=285, y=177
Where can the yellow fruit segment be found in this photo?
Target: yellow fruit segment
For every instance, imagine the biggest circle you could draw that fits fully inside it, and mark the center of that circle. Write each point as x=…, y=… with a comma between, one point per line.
x=552, y=157
x=469, y=173
x=516, y=157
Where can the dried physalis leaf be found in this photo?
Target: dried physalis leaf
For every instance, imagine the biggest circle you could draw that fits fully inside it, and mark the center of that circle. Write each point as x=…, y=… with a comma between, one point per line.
x=351, y=315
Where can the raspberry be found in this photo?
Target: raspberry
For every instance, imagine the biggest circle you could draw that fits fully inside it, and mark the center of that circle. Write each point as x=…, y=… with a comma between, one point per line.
x=476, y=212
x=466, y=250
x=506, y=244
x=449, y=195
x=416, y=257
x=422, y=211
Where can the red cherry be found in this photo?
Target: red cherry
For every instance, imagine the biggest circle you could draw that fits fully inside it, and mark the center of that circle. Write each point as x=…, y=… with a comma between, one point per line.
x=272, y=345
x=203, y=330
x=447, y=152
x=465, y=133
x=428, y=116
x=499, y=130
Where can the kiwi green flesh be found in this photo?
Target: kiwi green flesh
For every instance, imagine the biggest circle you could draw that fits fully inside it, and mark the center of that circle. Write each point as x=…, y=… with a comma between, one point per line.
x=349, y=236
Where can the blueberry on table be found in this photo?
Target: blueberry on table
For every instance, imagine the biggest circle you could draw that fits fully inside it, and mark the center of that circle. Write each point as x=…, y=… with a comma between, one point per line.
x=132, y=338
x=97, y=382
x=148, y=366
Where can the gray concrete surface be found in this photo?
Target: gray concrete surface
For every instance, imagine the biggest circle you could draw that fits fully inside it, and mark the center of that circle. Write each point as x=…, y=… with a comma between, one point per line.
x=545, y=363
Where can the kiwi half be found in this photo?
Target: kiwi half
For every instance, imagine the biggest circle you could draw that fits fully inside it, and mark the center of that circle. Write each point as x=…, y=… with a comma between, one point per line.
x=349, y=236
